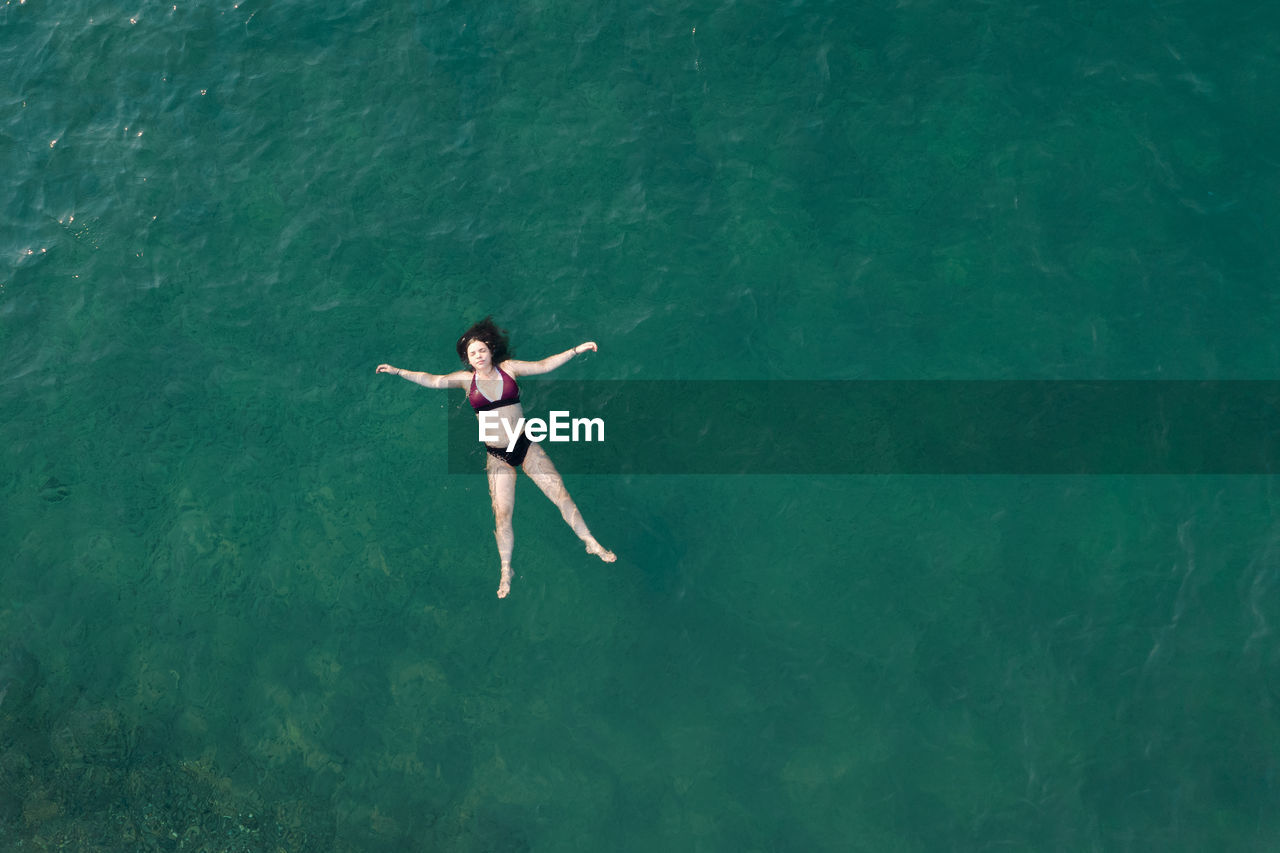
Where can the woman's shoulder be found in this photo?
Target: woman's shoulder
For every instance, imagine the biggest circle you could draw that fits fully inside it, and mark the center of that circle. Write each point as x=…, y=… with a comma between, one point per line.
x=459, y=378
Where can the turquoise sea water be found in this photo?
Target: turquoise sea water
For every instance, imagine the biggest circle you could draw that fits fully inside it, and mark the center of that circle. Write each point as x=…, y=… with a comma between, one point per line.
x=237, y=579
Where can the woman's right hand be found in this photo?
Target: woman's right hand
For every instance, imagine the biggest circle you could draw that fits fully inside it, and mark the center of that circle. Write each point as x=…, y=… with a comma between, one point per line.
x=386, y=368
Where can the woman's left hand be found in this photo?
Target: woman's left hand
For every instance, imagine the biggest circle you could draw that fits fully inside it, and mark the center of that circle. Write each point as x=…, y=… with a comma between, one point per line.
x=581, y=348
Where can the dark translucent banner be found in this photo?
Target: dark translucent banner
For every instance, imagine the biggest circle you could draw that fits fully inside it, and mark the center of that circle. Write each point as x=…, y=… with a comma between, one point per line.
x=895, y=427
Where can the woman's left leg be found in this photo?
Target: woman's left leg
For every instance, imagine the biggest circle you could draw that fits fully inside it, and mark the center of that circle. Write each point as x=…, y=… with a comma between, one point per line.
x=539, y=468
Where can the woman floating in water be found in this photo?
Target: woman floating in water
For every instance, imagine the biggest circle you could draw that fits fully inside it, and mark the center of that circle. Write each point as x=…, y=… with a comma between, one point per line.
x=491, y=383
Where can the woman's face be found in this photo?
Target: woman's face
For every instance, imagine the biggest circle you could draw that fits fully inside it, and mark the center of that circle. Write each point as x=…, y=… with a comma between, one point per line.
x=478, y=355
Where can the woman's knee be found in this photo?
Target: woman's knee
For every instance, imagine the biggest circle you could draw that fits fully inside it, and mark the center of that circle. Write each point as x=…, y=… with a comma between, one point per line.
x=568, y=509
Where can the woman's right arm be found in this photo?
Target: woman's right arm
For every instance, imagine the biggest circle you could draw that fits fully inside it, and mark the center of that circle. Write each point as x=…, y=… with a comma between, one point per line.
x=427, y=380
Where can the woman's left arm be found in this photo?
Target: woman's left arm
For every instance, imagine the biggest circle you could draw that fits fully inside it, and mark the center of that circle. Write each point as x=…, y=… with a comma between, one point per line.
x=548, y=364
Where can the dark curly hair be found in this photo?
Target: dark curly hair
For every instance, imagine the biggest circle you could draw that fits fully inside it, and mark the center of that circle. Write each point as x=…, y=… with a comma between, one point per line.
x=491, y=336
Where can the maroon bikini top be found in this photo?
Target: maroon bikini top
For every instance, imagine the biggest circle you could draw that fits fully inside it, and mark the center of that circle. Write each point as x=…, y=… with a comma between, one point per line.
x=481, y=403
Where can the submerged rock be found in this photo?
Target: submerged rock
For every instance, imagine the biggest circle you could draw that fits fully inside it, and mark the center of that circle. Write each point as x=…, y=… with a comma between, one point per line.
x=19, y=676
x=93, y=736
x=54, y=490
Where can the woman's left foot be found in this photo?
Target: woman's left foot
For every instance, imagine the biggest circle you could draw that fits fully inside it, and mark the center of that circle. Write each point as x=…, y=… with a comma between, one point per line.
x=602, y=552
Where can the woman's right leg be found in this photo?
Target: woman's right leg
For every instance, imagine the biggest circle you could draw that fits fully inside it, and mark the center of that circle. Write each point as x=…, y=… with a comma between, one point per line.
x=502, y=493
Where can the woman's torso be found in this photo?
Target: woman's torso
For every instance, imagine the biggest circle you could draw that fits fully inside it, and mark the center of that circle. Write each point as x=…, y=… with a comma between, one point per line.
x=499, y=399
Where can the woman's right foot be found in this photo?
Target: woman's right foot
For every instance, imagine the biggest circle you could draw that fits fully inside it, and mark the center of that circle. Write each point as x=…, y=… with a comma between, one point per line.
x=504, y=586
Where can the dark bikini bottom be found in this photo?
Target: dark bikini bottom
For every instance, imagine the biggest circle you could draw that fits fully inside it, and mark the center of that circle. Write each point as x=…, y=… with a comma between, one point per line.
x=516, y=457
